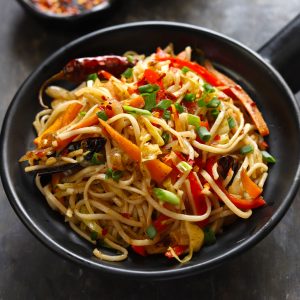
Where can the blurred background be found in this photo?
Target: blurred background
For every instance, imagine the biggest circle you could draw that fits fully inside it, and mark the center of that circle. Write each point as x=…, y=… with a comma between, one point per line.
x=271, y=270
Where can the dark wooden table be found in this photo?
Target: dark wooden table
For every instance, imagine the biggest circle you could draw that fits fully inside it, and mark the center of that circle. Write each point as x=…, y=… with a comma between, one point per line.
x=28, y=270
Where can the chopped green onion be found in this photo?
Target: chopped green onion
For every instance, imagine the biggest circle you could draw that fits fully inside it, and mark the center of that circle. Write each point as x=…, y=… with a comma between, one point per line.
x=201, y=103
x=165, y=136
x=267, y=157
x=102, y=115
x=150, y=100
x=184, y=70
x=138, y=111
x=148, y=88
x=97, y=159
x=203, y=133
x=208, y=88
x=213, y=103
x=94, y=235
x=209, y=236
x=82, y=113
x=151, y=232
x=231, y=122
x=108, y=173
x=127, y=73
x=179, y=108
x=214, y=112
x=166, y=196
x=114, y=174
x=130, y=58
x=93, y=77
x=246, y=149
x=193, y=120
x=183, y=167
x=167, y=115
x=164, y=104
x=190, y=97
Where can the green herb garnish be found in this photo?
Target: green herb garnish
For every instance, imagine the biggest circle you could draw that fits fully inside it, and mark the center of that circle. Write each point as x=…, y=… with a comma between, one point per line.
x=102, y=115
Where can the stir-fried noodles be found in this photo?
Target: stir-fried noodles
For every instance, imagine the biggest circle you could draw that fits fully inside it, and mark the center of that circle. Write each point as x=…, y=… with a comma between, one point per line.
x=158, y=159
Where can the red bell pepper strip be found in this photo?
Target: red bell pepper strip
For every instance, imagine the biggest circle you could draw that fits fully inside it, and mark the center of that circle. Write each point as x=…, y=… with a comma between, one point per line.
x=151, y=76
x=240, y=203
x=160, y=223
x=141, y=250
x=199, y=199
x=179, y=250
x=200, y=70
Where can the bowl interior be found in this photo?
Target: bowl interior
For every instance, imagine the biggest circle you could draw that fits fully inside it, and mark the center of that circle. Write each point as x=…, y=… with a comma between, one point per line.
x=269, y=92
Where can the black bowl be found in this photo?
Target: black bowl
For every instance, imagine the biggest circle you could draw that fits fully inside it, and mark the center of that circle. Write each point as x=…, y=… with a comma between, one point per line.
x=269, y=90
x=99, y=11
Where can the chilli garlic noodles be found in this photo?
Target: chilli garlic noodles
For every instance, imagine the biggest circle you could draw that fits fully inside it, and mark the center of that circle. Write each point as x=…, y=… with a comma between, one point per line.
x=154, y=154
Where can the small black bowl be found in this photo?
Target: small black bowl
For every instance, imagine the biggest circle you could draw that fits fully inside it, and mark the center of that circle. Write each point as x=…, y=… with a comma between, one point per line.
x=259, y=78
x=98, y=11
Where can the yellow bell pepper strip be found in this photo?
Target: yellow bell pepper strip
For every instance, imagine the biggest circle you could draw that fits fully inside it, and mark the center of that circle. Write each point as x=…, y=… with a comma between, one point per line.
x=62, y=120
x=234, y=90
x=158, y=170
x=251, y=187
x=132, y=150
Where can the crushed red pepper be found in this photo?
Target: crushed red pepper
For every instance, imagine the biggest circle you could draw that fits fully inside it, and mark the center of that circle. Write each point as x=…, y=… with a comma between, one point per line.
x=66, y=7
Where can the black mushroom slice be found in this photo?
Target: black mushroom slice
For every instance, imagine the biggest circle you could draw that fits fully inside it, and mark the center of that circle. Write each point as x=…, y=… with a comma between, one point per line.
x=225, y=163
x=90, y=145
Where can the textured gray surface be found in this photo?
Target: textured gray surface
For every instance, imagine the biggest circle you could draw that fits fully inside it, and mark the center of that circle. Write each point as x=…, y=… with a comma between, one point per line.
x=28, y=270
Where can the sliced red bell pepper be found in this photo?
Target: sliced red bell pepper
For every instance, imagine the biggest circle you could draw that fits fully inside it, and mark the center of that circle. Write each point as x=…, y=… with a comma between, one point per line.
x=179, y=250
x=240, y=203
x=200, y=70
x=151, y=76
x=198, y=197
x=160, y=223
x=141, y=250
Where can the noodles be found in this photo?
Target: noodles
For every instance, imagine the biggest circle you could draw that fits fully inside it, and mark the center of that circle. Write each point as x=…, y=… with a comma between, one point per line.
x=161, y=174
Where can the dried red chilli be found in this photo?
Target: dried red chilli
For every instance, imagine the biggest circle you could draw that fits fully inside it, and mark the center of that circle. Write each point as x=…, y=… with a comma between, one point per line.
x=78, y=69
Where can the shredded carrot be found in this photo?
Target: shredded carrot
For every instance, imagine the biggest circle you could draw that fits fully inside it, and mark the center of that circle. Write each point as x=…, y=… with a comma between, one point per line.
x=132, y=150
x=177, y=122
x=158, y=170
x=92, y=120
x=62, y=120
x=235, y=90
x=137, y=102
x=251, y=187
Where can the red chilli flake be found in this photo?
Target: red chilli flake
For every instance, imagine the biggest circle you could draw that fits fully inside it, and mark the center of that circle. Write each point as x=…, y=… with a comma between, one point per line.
x=66, y=7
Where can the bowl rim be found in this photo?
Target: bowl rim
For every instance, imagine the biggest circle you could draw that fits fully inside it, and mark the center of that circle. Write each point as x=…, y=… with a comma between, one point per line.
x=166, y=274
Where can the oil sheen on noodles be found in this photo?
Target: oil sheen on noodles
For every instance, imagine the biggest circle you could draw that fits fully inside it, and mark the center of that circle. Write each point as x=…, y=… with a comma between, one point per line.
x=166, y=154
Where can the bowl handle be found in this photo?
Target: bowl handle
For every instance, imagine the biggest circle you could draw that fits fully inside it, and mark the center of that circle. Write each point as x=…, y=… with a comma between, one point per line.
x=283, y=52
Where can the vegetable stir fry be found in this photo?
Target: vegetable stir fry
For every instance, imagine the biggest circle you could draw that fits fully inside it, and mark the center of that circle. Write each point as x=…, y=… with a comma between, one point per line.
x=167, y=153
